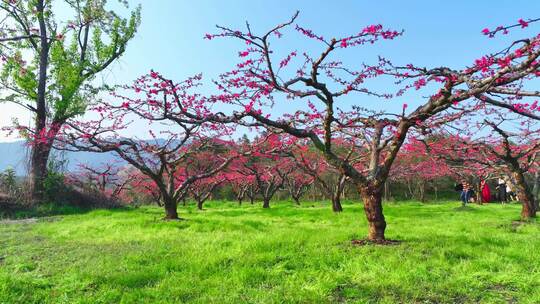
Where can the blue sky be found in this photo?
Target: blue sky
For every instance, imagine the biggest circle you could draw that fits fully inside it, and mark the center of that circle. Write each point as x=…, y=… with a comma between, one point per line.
x=170, y=37
x=436, y=33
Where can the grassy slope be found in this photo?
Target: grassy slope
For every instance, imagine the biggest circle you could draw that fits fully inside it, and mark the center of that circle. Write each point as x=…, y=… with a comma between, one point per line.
x=286, y=254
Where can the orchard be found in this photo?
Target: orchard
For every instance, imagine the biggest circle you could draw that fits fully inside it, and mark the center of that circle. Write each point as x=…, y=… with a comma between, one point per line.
x=311, y=160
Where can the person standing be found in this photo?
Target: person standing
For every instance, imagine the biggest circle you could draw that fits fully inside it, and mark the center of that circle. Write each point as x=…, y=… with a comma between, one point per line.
x=486, y=192
x=501, y=190
x=510, y=191
x=465, y=193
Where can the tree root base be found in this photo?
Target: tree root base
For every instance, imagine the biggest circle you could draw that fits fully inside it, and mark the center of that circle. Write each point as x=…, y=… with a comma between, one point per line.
x=173, y=220
x=365, y=242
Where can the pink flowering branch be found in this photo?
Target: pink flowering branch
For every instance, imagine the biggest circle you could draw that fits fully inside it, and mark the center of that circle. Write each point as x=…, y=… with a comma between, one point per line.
x=256, y=81
x=505, y=29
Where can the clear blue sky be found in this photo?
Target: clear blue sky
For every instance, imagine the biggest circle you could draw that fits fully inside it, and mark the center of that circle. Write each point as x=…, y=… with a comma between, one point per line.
x=436, y=32
x=170, y=37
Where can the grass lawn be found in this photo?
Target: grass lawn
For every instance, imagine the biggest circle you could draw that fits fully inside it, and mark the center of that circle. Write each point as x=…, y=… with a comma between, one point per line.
x=288, y=254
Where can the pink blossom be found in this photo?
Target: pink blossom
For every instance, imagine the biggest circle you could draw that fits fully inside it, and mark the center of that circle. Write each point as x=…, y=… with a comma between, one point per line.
x=372, y=29
x=484, y=63
x=504, y=62
x=420, y=83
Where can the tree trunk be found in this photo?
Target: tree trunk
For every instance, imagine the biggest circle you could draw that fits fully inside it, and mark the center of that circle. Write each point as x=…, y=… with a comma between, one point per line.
x=268, y=193
x=38, y=170
x=336, y=204
x=200, y=204
x=266, y=202
x=478, y=193
x=536, y=187
x=337, y=192
x=171, y=212
x=374, y=212
x=422, y=192
x=40, y=151
x=525, y=196
x=296, y=199
x=386, y=191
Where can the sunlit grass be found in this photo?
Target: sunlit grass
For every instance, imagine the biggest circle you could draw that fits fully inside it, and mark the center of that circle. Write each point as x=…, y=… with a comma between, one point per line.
x=287, y=254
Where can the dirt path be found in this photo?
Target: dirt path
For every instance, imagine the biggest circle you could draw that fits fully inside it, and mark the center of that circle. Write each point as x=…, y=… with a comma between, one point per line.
x=21, y=221
x=31, y=220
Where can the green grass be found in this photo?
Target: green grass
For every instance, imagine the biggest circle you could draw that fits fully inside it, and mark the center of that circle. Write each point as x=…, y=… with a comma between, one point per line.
x=230, y=254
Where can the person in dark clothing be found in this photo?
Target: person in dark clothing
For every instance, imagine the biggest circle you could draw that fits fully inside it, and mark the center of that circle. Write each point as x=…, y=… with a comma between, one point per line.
x=472, y=195
x=501, y=190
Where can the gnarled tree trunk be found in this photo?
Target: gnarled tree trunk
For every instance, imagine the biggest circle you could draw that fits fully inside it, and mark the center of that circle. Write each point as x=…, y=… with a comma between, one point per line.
x=171, y=212
x=337, y=192
x=240, y=194
x=525, y=196
x=372, y=198
x=336, y=203
x=266, y=202
x=268, y=193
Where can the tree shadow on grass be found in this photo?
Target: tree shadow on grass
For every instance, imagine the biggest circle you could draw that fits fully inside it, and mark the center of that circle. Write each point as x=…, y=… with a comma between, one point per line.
x=348, y=292
x=516, y=225
x=437, y=241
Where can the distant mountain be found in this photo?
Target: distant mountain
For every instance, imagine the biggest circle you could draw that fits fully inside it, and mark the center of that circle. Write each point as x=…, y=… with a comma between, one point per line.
x=14, y=154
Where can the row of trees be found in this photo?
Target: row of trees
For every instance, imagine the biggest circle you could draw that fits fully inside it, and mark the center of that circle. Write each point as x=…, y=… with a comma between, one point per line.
x=190, y=141
x=277, y=163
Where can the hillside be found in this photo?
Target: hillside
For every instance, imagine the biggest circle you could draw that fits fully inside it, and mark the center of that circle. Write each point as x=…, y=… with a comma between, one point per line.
x=14, y=154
